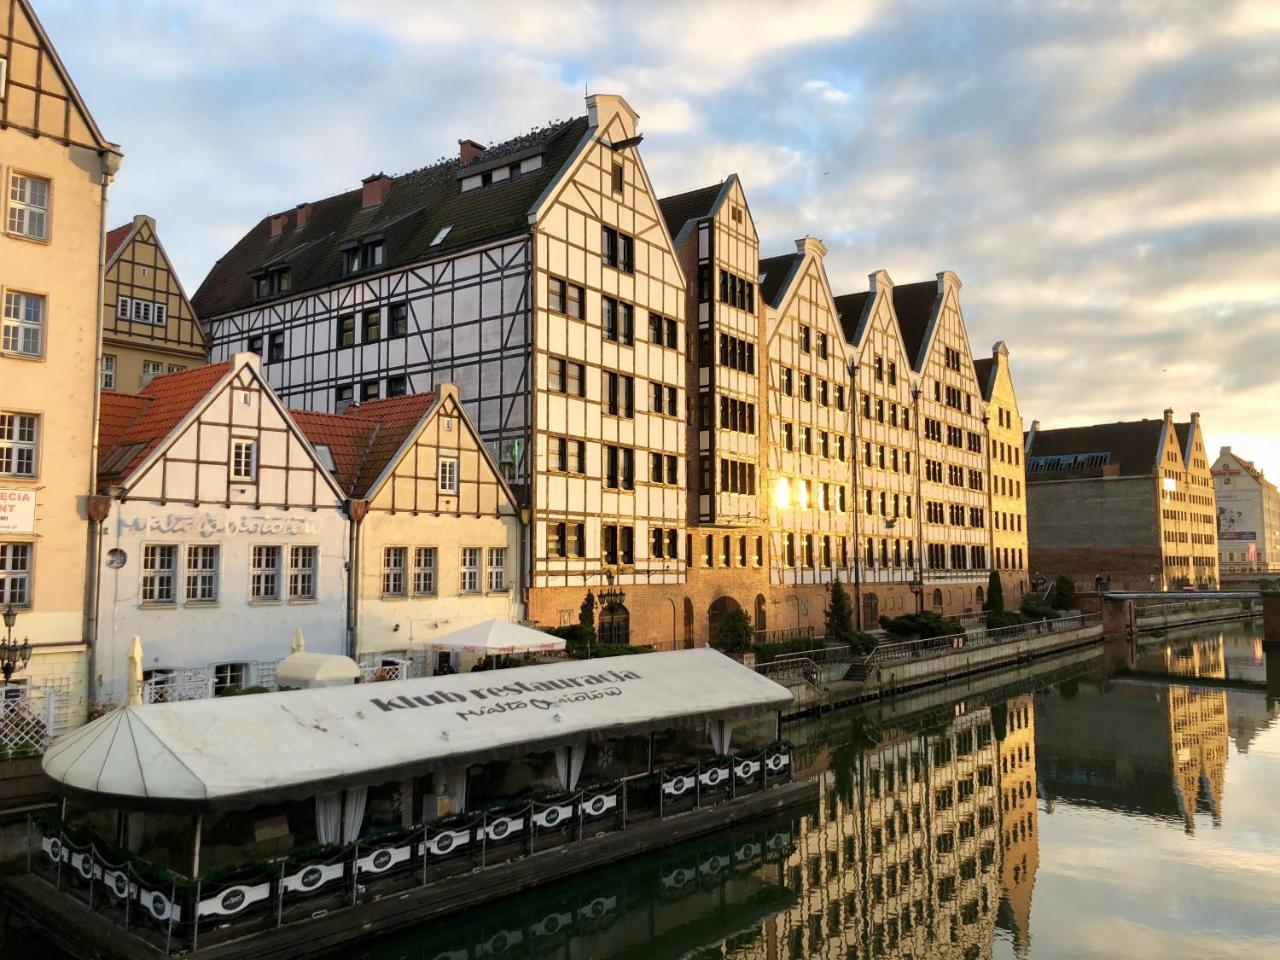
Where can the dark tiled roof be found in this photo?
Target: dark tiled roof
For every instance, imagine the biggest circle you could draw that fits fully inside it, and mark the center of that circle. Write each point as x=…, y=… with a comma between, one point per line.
x=364, y=438
x=158, y=408
x=1184, y=439
x=683, y=207
x=983, y=368
x=1133, y=445
x=774, y=272
x=417, y=206
x=850, y=306
x=115, y=238
x=913, y=303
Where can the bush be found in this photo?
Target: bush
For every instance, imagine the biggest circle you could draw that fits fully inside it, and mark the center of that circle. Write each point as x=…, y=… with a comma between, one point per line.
x=839, y=613
x=581, y=651
x=1004, y=618
x=1033, y=609
x=735, y=632
x=995, y=594
x=1064, y=593
x=923, y=625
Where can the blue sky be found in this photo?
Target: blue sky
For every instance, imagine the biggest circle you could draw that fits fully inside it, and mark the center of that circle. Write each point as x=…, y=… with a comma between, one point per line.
x=1102, y=176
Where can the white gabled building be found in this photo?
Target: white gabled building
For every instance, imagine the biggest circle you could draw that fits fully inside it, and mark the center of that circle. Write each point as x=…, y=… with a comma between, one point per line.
x=1248, y=516
x=223, y=535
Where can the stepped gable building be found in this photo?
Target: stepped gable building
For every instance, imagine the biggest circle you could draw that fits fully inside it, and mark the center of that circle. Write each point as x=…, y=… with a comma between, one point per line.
x=437, y=528
x=223, y=533
x=55, y=168
x=1133, y=501
x=149, y=327
x=528, y=274
x=1007, y=474
x=1248, y=516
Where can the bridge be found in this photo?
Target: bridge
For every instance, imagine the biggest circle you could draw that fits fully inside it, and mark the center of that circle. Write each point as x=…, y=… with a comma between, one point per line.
x=1128, y=613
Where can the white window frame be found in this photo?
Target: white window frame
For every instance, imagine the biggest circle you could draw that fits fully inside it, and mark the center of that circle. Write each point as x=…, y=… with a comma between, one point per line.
x=124, y=308
x=265, y=561
x=25, y=210
x=150, y=370
x=225, y=676
x=15, y=443
x=496, y=569
x=18, y=330
x=447, y=482
x=200, y=581
x=426, y=571
x=244, y=468
x=15, y=579
x=158, y=579
x=469, y=569
x=395, y=560
x=304, y=565
x=108, y=371
x=141, y=312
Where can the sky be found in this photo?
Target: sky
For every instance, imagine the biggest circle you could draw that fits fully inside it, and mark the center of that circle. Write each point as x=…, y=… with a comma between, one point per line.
x=1102, y=176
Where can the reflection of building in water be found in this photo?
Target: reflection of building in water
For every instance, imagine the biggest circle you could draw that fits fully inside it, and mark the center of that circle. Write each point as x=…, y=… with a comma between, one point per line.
x=902, y=858
x=1134, y=747
x=1199, y=658
x=1018, y=823
x=1248, y=714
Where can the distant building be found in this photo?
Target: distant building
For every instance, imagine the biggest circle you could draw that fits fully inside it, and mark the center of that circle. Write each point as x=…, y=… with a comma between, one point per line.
x=1248, y=516
x=148, y=327
x=1008, y=474
x=1131, y=501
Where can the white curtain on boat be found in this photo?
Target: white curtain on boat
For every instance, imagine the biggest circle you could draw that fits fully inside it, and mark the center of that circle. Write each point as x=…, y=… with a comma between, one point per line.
x=721, y=733
x=329, y=817
x=455, y=778
x=353, y=813
x=569, y=764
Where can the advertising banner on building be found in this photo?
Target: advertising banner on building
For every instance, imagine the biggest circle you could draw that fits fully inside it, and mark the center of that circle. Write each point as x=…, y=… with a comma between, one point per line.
x=17, y=511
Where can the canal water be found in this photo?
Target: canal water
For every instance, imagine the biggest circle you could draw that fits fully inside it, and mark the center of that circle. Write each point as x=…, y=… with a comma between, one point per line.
x=1118, y=801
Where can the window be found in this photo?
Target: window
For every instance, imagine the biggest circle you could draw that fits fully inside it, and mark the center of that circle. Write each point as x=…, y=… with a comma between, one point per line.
x=346, y=331
x=302, y=573
x=159, y=572
x=371, y=326
x=470, y=577
x=254, y=344
x=275, y=349
x=264, y=580
x=617, y=250
x=619, y=468
x=565, y=376
x=244, y=460
x=568, y=455
x=496, y=574
x=424, y=571
x=619, y=394
x=342, y=397
x=393, y=564
x=397, y=386
x=108, y=371
x=15, y=574
x=202, y=573
x=23, y=328
x=564, y=297
x=364, y=256
x=150, y=370
x=18, y=436
x=785, y=380
x=264, y=285
x=448, y=480
x=804, y=339
x=398, y=320
x=228, y=676
x=567, y=540
x=369, y=390
x=618, y=320
x=29, y=207
x=617, y=178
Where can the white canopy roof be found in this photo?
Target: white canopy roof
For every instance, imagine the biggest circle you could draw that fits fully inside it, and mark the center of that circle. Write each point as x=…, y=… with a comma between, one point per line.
x=242, y=751
x=304, y=671
x=498, y=637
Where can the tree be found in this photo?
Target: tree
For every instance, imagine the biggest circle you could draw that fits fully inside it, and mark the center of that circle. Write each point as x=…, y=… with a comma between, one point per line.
x=736, y=631
x=1064, y=593
x=839, y=613
x=995, y=594
x=587, y=617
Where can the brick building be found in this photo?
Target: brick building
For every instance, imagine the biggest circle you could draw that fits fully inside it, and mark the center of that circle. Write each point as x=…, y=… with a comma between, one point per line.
x=1133, y=501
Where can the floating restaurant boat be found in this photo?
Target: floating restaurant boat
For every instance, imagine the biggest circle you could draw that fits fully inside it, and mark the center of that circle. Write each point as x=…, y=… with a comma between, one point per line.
x=286, y=824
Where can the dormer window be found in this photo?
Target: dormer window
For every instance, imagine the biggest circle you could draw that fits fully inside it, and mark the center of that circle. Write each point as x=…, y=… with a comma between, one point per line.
x=363, y=256
x=444, y=232
x=271, y=283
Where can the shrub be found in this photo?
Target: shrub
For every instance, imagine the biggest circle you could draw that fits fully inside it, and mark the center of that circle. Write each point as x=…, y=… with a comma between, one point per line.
x=735, y=632
x=1004, y=618
x=995, y=594
x=1034, y=609
x=1064, y=593
x=839, y=613
x=923, y=625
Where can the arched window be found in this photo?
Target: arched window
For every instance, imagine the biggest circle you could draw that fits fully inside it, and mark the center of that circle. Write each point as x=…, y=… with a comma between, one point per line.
x=762, y=612
x=978, y=596
x=615, y=624
x=937, y=599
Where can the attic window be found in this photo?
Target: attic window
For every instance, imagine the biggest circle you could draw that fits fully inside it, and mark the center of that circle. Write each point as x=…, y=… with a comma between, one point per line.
x=444, y=232
x=270, y=283
x=119, y=457
x=363, y=256
x=325, y=456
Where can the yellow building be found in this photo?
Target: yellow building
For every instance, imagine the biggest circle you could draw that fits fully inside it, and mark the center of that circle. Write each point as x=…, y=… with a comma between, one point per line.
x=1019, y=824
x=148, y=326
x=1008, y=496
x=56, y=166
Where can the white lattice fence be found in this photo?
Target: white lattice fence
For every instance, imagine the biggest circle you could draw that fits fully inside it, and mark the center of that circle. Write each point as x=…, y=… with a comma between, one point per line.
x=26, y=720
x=376, y=668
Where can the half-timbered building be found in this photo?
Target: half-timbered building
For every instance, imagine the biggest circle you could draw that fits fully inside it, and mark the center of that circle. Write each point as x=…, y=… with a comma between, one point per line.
x=225, y=534
x=149, y=327
x=1006, y=489
x=436, y=527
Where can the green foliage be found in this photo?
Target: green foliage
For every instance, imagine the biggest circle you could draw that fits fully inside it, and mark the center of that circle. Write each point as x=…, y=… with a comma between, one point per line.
x=1064, y=593
x=587, y=616
x=234, y=691
x=735, y=632
x=839, y=613
x=995, y=595
x=581, y=651
x=923, y=625
x=1034, y=609
x=1005, y=618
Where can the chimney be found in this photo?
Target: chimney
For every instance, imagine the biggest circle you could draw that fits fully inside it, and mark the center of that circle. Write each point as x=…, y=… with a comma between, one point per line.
x=1168, y=414
x=302, y=213
x=1195, y=418
x=375, y=190
x=468, y=150
x=278, y=221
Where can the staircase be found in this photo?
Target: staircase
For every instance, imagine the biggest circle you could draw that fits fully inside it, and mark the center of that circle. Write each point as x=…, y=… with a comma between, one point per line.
x=859, y=669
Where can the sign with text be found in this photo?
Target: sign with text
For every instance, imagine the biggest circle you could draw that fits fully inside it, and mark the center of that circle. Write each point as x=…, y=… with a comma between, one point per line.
x=207, y=525
x=17, y=511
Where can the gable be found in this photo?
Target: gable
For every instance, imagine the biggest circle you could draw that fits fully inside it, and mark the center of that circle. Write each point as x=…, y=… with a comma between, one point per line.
x=40, y=97
x=946, y=333
x=143, y=299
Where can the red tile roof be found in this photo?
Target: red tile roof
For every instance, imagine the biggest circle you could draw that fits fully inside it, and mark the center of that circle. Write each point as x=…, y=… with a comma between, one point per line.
x=159, y=408
x=363, y=440
x=116, y=237
x=115, y=412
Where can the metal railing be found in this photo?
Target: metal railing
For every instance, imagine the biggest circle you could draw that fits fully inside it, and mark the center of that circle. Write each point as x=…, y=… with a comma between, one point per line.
x=936, y=646
x=783, y=635
x=1153, y=610
x=176, y=916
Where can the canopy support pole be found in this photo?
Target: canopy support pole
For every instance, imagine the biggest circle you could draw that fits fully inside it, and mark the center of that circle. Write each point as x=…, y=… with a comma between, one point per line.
x=195, y=847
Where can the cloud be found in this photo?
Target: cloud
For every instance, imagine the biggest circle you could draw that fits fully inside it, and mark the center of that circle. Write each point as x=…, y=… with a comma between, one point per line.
x=1100, y=173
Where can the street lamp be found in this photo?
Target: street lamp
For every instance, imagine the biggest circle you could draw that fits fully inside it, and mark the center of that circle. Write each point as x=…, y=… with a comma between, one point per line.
x=13, y=655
